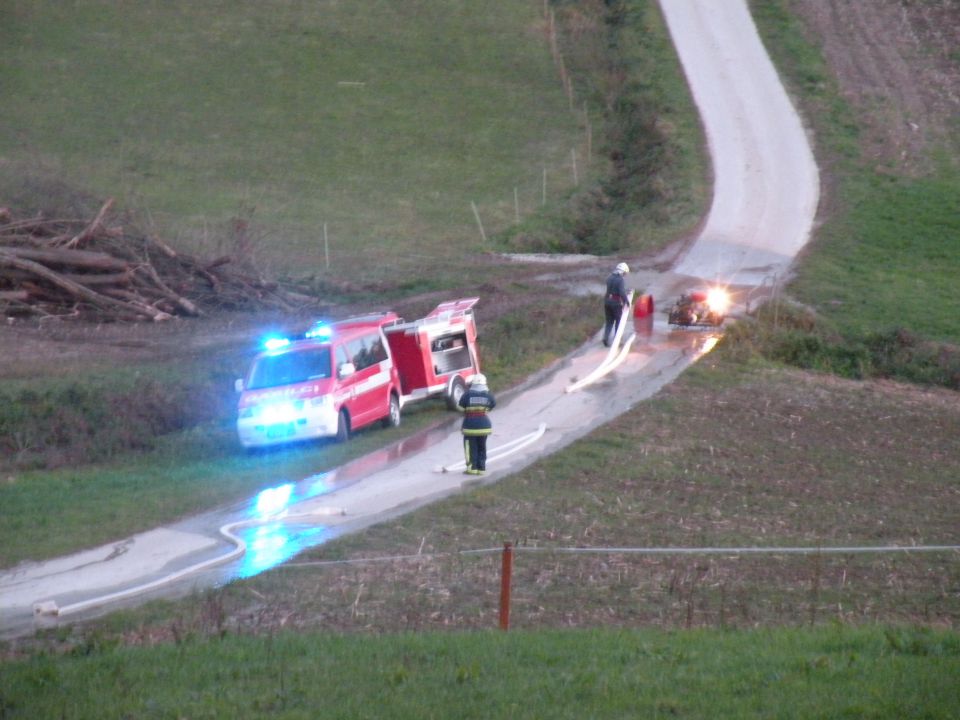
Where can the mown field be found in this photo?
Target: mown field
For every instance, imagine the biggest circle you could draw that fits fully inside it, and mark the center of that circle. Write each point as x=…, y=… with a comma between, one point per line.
x=747, y=448
x=381, y=120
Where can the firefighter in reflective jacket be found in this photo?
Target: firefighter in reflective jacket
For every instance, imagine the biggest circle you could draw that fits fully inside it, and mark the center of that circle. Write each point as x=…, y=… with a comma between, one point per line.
x=476, y=403
x=614, y=301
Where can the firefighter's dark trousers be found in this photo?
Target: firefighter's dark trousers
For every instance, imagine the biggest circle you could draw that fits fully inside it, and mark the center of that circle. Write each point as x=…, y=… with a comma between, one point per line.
x=612, y=311
x=475, y=452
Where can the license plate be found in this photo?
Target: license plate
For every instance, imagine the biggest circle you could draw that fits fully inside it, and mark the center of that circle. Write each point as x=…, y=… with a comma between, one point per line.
x=280, y=430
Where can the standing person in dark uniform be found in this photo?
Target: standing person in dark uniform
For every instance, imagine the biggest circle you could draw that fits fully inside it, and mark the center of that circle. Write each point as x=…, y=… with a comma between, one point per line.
x=476, y=404
x=614, y=300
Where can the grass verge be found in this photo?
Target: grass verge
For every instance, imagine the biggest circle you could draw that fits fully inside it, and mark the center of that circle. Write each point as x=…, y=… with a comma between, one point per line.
x=842, y=672
x=647, y=168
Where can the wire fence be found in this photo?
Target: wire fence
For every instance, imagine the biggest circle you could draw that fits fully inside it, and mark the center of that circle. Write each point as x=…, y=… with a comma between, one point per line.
x=616, y=586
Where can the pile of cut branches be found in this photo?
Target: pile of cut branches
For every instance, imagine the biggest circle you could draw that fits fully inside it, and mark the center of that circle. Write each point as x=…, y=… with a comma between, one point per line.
x=93, y=270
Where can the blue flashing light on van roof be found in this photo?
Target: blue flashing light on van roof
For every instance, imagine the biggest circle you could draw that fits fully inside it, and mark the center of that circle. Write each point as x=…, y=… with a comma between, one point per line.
x=275, y=343
x=320, y=331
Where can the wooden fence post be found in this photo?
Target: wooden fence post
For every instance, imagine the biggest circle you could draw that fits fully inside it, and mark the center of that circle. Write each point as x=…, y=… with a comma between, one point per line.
x=505, y=575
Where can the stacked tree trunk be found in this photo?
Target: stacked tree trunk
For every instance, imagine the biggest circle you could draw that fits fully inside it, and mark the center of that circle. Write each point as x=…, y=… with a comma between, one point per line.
x=92, y=270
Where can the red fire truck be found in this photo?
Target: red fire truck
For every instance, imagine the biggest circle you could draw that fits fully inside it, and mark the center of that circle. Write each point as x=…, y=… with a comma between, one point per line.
x=336, y=378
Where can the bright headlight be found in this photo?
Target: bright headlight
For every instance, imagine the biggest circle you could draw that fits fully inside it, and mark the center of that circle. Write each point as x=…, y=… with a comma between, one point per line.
x=280, y=413
x=718, y=299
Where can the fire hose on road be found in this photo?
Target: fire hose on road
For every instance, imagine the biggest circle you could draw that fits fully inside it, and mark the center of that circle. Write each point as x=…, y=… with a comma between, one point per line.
x=615, y=355
x=50, y=607
x=239, y=549
x=502, y=451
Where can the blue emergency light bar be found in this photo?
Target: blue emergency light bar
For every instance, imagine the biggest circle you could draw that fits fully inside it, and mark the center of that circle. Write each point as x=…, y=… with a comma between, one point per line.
x=275, y=343
x=320, y=331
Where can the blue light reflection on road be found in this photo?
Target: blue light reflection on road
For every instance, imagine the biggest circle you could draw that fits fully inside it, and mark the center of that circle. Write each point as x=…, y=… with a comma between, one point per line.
x=274, y=500
x=271, y=529
x=270, y=538
x=274, y=543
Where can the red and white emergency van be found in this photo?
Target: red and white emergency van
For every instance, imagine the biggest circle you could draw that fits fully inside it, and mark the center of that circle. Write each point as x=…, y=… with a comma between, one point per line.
x=339, y=377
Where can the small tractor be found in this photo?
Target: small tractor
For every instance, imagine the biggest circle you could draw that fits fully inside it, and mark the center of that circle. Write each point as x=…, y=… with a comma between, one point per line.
x=700, y=309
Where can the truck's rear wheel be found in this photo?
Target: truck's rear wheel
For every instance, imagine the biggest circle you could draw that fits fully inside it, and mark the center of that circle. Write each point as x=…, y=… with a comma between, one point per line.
x=343, y=427
x=457, y=388
x=393, y=414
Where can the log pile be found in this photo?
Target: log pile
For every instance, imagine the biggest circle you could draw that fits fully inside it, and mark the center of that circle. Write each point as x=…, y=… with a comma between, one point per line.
x=93, y=270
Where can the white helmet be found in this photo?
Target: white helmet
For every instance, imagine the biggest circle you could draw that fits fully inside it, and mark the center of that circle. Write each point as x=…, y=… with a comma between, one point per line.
x=622, y=268
x=480, y=380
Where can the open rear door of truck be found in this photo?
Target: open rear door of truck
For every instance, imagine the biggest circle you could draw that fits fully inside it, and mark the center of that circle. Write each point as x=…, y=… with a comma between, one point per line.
x=453, y=306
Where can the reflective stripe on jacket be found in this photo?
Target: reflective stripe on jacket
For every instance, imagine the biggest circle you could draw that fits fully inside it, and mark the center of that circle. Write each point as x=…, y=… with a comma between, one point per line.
x=476, y=404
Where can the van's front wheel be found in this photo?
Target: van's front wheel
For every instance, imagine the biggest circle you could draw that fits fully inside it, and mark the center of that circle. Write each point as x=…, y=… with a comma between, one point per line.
x=393, y=414
x=343, y=427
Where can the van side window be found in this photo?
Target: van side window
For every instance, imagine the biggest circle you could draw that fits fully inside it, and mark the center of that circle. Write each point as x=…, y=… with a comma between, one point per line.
x=341, y=357
x=356, y=352
x=318, y=363
x=378, y=352
x=366, y=351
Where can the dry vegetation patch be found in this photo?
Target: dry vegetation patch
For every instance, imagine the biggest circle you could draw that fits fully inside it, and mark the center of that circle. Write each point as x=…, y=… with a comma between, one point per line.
x=897, y=63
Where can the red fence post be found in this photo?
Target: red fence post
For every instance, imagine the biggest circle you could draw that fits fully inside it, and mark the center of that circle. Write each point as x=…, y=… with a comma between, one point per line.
x=505, y=572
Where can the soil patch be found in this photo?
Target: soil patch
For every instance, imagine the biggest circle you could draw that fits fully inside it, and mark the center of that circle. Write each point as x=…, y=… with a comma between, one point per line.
x=897, y=64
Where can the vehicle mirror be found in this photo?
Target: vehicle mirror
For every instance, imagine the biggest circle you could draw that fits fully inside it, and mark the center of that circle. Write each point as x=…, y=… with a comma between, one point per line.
x=346, y=370
x=238, y=384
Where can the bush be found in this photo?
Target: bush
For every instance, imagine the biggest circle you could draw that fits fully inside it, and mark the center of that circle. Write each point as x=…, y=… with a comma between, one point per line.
x=793, y=335
x=91, y=421
x=898, y=353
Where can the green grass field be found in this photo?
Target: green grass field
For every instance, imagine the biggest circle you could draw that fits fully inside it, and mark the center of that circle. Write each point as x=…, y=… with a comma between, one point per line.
x=831, y=672
x=382, y=120
x=892, y=262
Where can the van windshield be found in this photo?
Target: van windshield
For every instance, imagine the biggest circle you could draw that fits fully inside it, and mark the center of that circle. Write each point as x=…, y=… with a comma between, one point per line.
x=290, y=367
